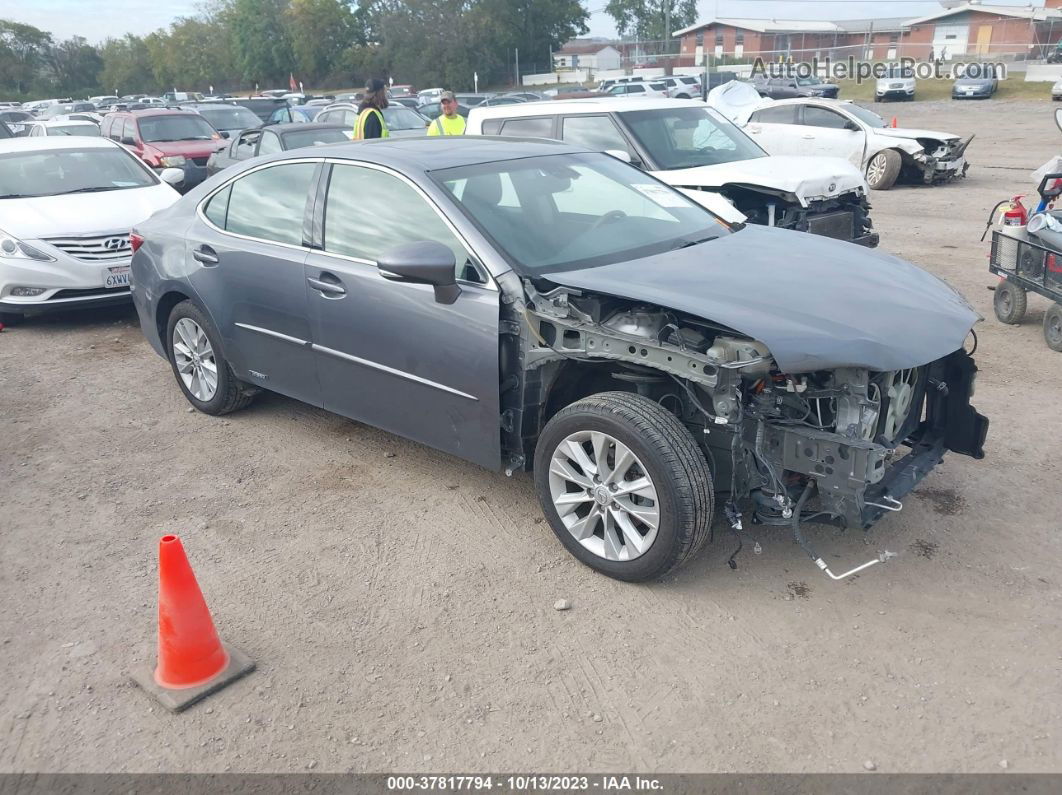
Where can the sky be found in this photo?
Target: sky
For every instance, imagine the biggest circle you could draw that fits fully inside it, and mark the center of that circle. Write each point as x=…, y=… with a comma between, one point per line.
x=88, y=18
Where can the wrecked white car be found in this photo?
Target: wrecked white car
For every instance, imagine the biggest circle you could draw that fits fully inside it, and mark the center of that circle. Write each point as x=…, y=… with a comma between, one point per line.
x=687, y=145
x=841, y=128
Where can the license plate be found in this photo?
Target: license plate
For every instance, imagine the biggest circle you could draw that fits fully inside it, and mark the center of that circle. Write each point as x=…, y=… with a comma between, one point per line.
x=116, y=277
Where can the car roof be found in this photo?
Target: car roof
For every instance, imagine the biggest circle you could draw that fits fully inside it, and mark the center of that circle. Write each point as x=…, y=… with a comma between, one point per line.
x=145, y=112
x=66, y=122
x=432, y=153
x=13, y=145
x=586, y=105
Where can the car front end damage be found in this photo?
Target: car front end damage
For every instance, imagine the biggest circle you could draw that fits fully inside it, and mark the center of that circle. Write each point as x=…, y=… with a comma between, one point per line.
x=931, y=160
x=842, y=446
x=842, y=217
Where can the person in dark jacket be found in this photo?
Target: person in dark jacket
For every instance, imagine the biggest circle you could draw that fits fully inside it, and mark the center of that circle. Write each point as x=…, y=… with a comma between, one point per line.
x=371, y=122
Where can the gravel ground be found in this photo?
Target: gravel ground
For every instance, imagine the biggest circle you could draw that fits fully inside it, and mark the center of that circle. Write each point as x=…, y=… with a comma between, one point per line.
x=400, y=603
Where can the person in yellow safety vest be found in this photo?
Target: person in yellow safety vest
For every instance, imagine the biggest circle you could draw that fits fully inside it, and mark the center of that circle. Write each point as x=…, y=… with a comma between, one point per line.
x=450, y=122
x=371, y=123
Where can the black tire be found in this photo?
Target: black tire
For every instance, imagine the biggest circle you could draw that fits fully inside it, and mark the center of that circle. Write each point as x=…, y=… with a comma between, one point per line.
x=231, y=394
x=1010, y=303
x=671, y=459
x=889, y=173
x=1053, y=327
x=11, y=318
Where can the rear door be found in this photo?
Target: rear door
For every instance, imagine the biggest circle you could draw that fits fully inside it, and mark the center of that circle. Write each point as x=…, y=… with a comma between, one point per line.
x=388, y=354
x=775, y=128
x=246, y=252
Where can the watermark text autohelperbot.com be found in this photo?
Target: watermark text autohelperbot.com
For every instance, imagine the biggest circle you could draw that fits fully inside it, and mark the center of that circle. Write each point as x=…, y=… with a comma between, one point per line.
x=851, y=69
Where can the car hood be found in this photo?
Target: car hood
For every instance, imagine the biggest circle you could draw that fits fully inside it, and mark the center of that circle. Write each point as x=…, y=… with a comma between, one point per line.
x=805, y=177
x=907, y=132
x=83, y=214
x=817, y=303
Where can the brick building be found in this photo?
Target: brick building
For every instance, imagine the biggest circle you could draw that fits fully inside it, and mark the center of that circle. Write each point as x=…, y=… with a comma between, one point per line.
x=964, y=30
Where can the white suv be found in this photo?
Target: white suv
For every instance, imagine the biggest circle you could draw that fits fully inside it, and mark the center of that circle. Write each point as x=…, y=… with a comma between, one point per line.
x=62, y=244
x=686, y=144
x=683, y=86
x=638, y=89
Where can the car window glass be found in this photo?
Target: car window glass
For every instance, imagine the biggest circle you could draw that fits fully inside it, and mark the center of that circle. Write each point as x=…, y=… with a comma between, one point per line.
x=597, y=195
x=350, y=118
x=270, y=144
x=218, y=207
x=492, y=126
x=129, y=131
x=105, y=127
x=634, y=89
x=823, y=117
x=594, y=132
x=530, y=128
x=397, y=214
x=245, y=145
x=269, y=204
x=778, y=114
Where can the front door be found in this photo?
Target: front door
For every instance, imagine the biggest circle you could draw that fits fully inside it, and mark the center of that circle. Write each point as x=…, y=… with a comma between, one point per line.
x=775, y=128
x=388, y=354
x=247, y=261
x=830, y=136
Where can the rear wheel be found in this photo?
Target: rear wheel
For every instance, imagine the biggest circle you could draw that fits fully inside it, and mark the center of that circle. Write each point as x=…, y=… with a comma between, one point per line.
x=1053, y=327
x=624, y=486
x=883, y=169
x=193, y=346
x=1010, y=302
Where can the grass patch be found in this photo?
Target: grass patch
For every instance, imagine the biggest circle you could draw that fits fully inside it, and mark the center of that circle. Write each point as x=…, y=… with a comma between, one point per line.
x=931, y=90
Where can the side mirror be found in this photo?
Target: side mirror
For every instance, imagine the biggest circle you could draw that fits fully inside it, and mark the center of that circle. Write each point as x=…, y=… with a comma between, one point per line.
x=224, y=133
x=172, y=176
x=1058, y=118
x=853, y=127
x=128, y=141
x=425, y=262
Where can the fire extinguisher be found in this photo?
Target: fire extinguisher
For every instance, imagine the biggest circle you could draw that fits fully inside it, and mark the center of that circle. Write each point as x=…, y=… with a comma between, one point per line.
x=1014, y=213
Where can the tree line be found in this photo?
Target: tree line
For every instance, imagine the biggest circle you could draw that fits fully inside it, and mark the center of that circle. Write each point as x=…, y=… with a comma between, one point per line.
x=234, y=45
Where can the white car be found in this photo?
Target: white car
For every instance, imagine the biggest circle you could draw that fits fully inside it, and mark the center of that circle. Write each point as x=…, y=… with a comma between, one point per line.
x=899, y=83
x=813, y=126
x=63, y=127
x=682, y=86
x=686, y=144
x=63, y=243
x=1056, y=91
x=638, y=89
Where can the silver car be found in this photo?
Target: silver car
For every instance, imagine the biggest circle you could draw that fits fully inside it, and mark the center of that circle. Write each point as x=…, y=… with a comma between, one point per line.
x=530, y=305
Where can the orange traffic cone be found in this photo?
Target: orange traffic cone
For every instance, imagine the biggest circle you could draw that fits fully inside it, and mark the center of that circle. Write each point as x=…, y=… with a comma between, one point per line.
x=192, y=661
x=894, y=122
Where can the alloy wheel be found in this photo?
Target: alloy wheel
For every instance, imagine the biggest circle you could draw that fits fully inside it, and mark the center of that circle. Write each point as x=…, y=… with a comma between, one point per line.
x=196, y=363
x=876, y=169
x=604, y=495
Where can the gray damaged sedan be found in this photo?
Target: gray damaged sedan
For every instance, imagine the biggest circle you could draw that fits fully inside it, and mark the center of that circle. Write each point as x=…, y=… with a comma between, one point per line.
x=529, y=305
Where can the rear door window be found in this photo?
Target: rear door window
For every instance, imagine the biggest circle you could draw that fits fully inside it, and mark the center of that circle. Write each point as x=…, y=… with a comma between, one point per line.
x=129, y=131
x=540, y=127
x=823, y=117
x=598, y=133
x=270, y=204
x=779, y=114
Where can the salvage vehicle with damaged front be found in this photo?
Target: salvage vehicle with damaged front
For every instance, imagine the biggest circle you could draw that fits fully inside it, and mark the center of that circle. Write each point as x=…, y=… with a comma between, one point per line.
x=698, y=151
x=842, y=128
x=640, y=358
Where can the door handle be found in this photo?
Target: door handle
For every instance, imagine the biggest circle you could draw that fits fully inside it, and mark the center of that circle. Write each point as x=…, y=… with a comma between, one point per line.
x=206, y=255
x=808, y=137
x=327, y=288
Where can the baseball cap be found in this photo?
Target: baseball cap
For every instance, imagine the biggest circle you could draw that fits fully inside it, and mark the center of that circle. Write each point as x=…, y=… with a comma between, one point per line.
x=447, y=95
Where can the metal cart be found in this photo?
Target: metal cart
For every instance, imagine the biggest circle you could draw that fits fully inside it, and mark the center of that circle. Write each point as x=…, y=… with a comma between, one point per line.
x=1027, y=267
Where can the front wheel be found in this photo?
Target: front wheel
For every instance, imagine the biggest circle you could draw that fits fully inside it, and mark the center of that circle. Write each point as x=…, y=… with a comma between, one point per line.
x=624, y=486
x=1010, y=302
x=1053, y=327
x=883, y=169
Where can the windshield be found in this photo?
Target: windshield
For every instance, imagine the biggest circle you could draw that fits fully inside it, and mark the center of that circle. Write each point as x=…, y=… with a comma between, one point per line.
x=293, y=140
x=399, y=117
x=157, y=129
x=57, y=171
x=808, y=81
x=868, y=117
x=687, y=137
x=597, y=209
x=228, y=118
x=74, y=129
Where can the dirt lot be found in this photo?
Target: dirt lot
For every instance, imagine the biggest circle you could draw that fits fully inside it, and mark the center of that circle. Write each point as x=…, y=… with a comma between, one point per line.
x=399, y=602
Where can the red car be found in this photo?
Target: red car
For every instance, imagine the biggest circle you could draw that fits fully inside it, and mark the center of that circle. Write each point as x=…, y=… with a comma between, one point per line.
x=166, y=139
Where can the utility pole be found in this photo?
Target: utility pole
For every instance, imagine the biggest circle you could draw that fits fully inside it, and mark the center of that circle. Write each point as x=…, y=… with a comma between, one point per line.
x=517, y=67
x=667, y=22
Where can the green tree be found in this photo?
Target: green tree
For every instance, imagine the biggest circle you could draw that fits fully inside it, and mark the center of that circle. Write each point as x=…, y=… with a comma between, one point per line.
x=75, y=67
x=321, y=31
x=23, y=50
x=261, y=43
x=648, y=19
x=126, y=66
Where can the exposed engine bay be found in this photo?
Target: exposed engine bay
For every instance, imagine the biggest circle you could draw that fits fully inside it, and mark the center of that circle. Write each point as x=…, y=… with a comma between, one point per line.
x=843, y=217
x=938, y=160
x=840, y=446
